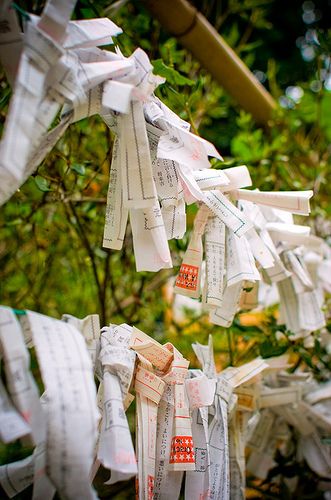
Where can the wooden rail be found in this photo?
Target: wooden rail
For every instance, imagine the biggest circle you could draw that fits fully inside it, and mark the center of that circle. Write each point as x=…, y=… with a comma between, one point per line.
x=197, y=35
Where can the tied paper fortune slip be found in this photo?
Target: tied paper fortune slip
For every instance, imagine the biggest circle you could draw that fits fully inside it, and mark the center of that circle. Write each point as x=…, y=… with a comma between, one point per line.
x=211, y=425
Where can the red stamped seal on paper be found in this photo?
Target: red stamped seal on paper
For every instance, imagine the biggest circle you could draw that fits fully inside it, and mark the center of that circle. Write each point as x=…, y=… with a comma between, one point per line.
x=150, y=492
x=182, y=450
x=188, y=277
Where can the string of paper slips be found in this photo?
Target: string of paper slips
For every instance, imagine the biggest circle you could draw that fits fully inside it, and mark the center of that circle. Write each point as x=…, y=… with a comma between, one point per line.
x=192, y=421
x=158, y=166
x=198, y=422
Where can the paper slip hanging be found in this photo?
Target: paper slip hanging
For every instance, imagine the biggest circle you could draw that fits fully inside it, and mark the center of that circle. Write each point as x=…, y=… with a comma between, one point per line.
x=17, y=476
x=296, y=202
x=150, y=242
x=68, y=378
x=175, y=450
x=189, y=277
x=169, y=188
x=11, y=41
x=136, y=168
x=211, y=476
x=25, y=395
x=20, y=383
x=13, y=425
x=116, y=213
x=115, y=450
x=90, y=329
x=227, y=212
x=185, y=148
x=215, y=261
x=182, y=450
x=149, y=389
x=60, y=73
x=201, y=392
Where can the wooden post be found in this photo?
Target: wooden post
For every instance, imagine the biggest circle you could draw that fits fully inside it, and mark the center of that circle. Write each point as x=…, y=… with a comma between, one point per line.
x=196, y=34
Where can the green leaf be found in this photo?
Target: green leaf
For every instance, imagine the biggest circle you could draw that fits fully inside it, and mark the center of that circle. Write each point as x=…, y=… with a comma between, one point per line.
x=42, y=184
x=268, y=350
x=78, y=168
x=170, y=74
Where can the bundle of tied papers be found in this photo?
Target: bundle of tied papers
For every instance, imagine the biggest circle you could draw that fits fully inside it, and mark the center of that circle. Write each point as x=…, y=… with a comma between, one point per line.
x=253, y=247
x=210, y=425
x=157, y=166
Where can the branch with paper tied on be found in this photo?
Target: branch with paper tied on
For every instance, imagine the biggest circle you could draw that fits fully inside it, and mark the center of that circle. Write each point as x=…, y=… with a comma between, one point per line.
x=214, y=426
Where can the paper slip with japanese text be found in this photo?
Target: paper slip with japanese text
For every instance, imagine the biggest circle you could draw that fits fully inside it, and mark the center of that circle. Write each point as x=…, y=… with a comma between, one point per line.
x=12, y=424
x=186, y=148
x=70, y=405
x=211, y=476
x=138, y=186
x=116, y=214
x=150, y=241
x=233, y=218
x=20, y=383
x=189, y=277
x=240, y=264
x=152, y=350
x=215, y=261
x=115, y=450
x=149, y=389
x=197, y=481
x=223, y=315
x=174, y=437
x=16, y=476
x=89, y=327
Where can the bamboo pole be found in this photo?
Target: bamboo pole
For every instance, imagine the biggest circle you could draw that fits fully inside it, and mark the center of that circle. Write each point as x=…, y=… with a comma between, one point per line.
x=196, y=34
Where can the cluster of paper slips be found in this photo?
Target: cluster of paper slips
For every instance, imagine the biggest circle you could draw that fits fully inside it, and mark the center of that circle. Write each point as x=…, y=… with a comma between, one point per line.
x=192, y=421
x=158, y=167
x=211, y=426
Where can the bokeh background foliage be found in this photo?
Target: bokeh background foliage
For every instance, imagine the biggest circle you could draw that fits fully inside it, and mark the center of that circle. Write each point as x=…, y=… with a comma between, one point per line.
x=51, y=255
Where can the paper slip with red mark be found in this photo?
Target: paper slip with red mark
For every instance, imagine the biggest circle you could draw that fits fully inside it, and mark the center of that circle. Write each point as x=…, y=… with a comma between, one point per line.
x=149, y=389
x=189, y=276
x=12, y=424
x=175, y=449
